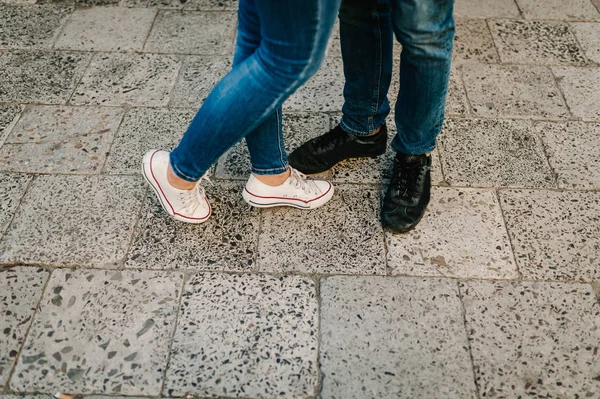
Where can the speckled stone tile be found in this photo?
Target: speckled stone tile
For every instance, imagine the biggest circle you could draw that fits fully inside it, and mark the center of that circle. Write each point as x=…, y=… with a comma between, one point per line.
x=106, y=29
x=134, y=79
x=178, y=32
x=533, y=339
x=74, y=220
x=9, y=115
x=80, y=3
x=30, y=26
x=579, y=86
x=456, y=100
x=197, y=78
x=12, y=188
x=20, y=291
x=486, y=9
x=572, y=149
x=100, y=331
x=461, y=235
x=60, y=139
x=212, y=5
x=513, y=91
x=227, y=241
x=245, y=335
x=559, y=9
x=393, y=338
x=473, y=42
x=297, y=128
x=35, y=76
x=536, y=42
x=323, y=92
x=588, y=36
x=343, y=236
x=376, y=171
x=144, y=129
x=555, y=235
x=489, y=153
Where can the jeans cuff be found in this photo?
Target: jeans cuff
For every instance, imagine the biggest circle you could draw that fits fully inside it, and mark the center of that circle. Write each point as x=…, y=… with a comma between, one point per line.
x=179, y=173
x=274, y=171
x=354, y=130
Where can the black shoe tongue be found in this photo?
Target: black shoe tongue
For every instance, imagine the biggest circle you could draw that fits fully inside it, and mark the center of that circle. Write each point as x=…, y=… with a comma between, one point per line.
x=413, y=159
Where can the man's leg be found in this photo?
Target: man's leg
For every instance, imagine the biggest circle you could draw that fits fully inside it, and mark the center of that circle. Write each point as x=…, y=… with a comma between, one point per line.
x=425, y=28
x=367, y=45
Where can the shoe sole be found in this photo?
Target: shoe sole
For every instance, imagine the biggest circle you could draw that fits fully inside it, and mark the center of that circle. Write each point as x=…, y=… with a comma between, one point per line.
x=400, y=231
x=272, y=202
x=154, y=184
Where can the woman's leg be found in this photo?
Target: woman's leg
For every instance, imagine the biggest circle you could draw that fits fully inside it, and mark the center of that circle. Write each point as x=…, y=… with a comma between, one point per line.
x=294, y=36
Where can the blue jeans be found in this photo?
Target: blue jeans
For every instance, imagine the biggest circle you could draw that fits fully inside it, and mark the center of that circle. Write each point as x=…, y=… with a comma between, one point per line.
x=425, y=28
x=280, y=45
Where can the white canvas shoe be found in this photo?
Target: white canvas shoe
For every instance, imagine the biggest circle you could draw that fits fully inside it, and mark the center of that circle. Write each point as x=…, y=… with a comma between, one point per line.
x=297, y=191
x=189, y=206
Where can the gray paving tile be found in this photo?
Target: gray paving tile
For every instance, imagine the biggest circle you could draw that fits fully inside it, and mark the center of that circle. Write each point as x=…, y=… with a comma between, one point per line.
x=343, y=236
x=210, y=5
x=489, y=153
x=197, y=78
x=579, y=88
x=461, y=235
x=555, y=235
x=513, y=91
x=323, y=92
x=588, y=35
x=160, y=4
x=393, y=338
x=572, y=150
x=9, y=114
x=134, y=79
x=227, y=241
x=486, y=9
x=106, y=29
x=536, y=42
x=144, y=129
x=251, y=336
x=20, y=291
x=30, y=26
x=80, y=3
x=60, y=139
x=456, y=100
x=100, y=331
x=297, y=128
x=376, y=171
x=12, y=189
x=559, y=9
x=473, y=41
x=74, y=220
x=179, y=32
x=533, y=339
x=35, y=76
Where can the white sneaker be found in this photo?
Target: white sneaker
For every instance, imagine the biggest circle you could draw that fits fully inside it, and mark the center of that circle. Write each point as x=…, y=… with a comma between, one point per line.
x=297, y=191
x=189, y=206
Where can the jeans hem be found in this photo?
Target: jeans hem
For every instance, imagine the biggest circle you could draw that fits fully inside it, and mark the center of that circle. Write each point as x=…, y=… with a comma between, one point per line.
x=359, y=133
x=180, y=174
x=418, y=151
x=273, y=171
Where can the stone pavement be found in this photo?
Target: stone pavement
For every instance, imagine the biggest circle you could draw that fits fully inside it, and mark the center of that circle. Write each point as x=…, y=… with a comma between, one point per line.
x=494, y=295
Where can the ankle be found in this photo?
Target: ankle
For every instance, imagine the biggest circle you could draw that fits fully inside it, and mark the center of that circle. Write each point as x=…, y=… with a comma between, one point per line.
x=273, y=180
x=177, y=182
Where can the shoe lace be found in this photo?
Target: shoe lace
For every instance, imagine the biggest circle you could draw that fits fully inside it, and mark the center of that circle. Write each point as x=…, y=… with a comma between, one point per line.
x=407, y=178
x=300, y=181
x=192, y=199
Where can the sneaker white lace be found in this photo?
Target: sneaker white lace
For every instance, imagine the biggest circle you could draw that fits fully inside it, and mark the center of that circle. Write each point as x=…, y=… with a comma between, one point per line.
x=297, y=191
x=189, y=206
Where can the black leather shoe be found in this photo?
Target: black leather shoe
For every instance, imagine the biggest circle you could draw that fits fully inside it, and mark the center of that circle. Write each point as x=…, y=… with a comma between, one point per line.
x=408, y=194
x=323, y=152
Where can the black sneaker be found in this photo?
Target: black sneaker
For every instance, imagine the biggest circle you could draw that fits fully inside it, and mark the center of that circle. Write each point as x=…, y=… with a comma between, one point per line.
x=408, y=193
x=323, y=152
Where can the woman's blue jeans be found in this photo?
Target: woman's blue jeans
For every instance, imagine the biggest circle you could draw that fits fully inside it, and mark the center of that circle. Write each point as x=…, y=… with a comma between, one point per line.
x=425, y=28
x=280, y=45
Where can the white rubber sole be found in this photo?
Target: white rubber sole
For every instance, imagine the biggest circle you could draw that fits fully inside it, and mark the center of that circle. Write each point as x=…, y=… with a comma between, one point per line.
x=271, y=202
x=148, y=176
